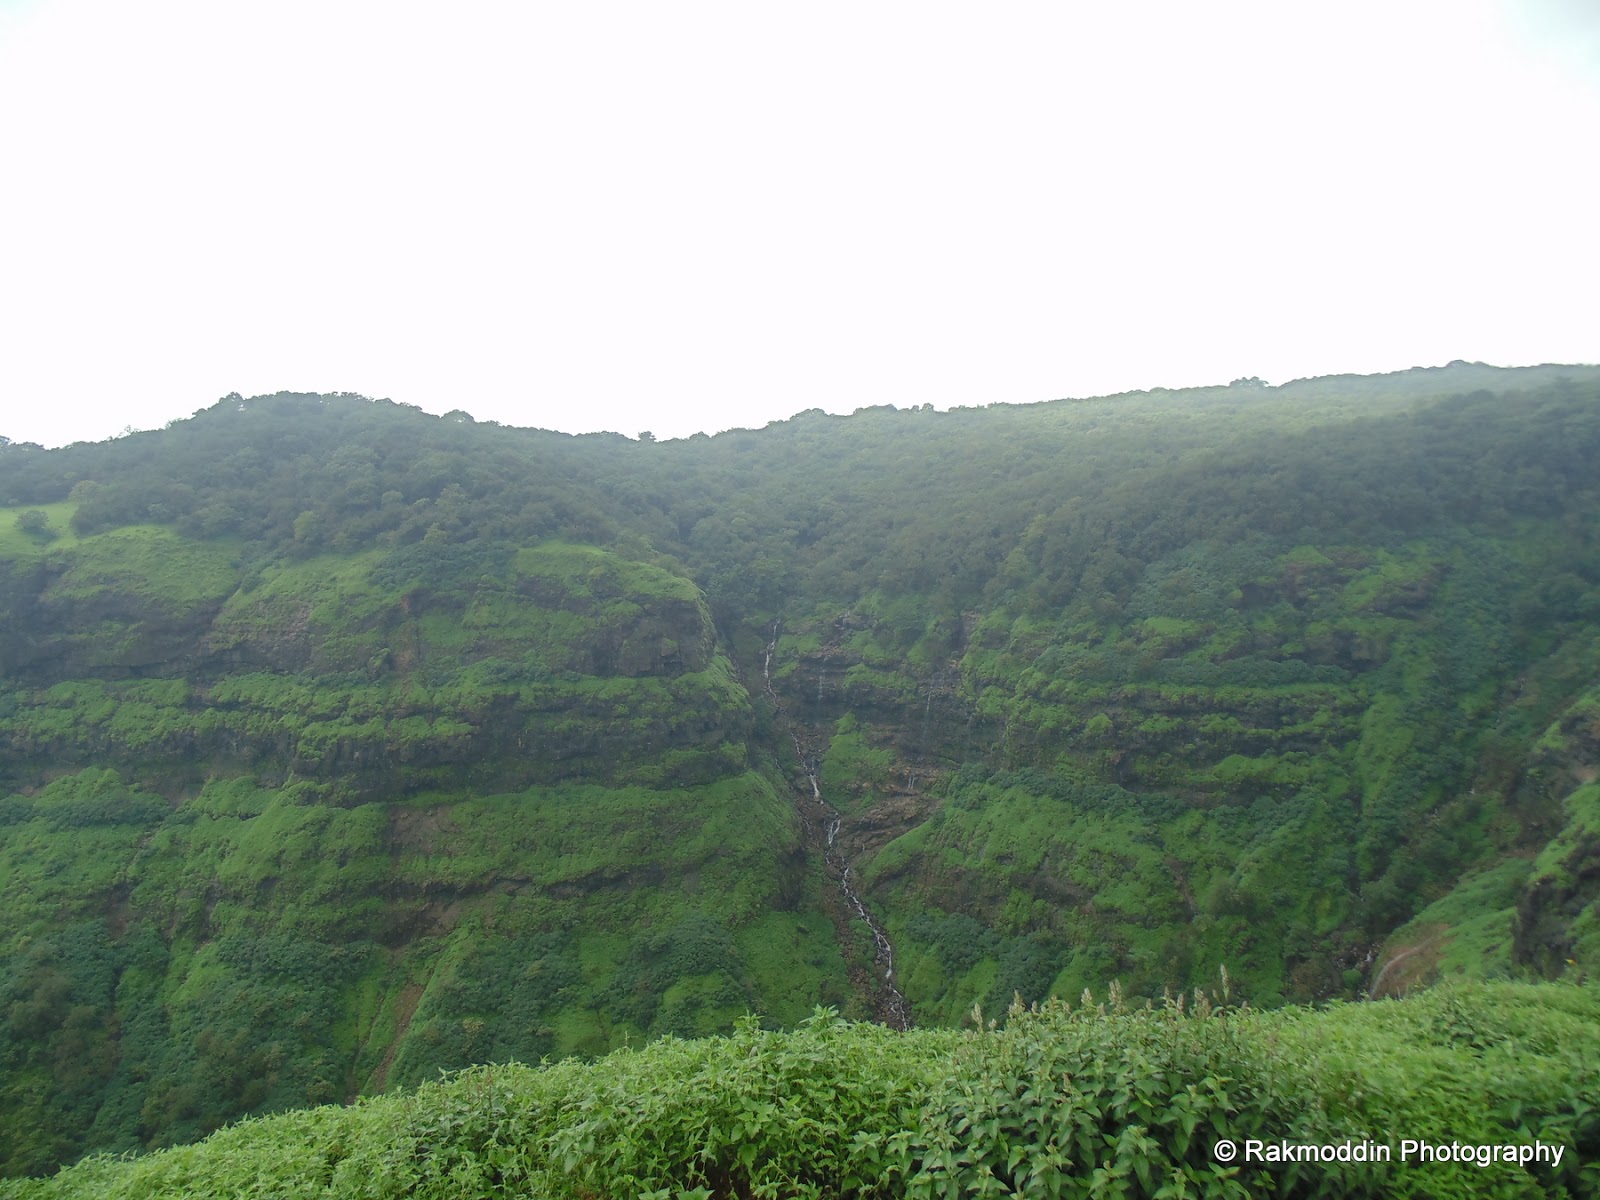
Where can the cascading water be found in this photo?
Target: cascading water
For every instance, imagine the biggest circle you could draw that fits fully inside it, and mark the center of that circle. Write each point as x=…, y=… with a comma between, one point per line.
x=896, y=1010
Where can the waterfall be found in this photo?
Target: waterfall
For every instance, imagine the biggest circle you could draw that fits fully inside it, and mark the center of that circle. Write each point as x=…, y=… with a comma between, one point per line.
x=895, y=1008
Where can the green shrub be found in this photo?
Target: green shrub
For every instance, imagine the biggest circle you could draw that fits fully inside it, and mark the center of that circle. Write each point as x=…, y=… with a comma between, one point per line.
x=1087, y=1100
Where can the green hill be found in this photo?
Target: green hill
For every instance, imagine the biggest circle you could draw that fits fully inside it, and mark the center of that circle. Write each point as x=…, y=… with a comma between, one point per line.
x=341, y=744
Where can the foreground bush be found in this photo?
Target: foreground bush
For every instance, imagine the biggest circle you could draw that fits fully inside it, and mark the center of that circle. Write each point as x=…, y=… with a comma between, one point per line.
x=1093, y=1100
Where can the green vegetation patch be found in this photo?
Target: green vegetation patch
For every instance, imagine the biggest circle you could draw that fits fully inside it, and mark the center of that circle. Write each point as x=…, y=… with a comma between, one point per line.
x=29, y=530
x=592, y=573
x=852, y=770
x=1089, y=1100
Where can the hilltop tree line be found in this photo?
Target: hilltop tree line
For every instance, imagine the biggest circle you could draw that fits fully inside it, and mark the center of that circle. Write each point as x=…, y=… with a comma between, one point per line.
x=1039, y=506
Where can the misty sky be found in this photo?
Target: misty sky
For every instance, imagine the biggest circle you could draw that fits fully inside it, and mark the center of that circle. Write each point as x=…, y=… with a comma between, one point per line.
x=698, y=215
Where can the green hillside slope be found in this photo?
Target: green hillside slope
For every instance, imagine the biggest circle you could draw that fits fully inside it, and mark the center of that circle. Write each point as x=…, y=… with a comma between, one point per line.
x=340, y=743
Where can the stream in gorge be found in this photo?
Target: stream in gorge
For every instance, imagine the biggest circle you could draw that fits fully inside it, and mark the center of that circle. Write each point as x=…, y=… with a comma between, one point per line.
x=893, y=1009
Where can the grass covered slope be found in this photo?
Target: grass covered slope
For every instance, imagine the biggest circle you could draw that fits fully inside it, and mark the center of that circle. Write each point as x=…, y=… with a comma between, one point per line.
x=284, y=834
x=1263, y=759
x=1256, y=686
x=378, y=672
x=1089, y=1101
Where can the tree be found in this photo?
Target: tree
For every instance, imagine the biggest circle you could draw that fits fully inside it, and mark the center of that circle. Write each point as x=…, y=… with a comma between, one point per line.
x=36, y=525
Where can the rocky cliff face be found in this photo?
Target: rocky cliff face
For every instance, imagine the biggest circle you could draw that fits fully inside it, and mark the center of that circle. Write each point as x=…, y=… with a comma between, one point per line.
x=1557, y=919
x=1251, y=763
x=571, y=664
x=133, y=602
x=285, y=835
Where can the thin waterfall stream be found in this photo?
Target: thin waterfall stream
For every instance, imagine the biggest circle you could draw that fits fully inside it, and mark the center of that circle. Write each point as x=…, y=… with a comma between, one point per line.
x=894, y=1008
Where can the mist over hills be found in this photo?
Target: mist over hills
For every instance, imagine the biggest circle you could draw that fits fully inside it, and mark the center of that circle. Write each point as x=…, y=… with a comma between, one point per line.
x=341, y=744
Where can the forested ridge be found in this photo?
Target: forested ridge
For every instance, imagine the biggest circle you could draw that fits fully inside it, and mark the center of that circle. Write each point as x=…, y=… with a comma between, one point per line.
x=341, y=743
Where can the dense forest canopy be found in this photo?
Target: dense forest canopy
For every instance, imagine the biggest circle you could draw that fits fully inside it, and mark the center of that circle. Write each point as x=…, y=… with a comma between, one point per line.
x=343, y=743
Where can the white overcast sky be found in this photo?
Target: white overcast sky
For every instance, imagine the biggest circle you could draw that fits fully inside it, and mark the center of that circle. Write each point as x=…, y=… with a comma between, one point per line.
x=702, y=214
